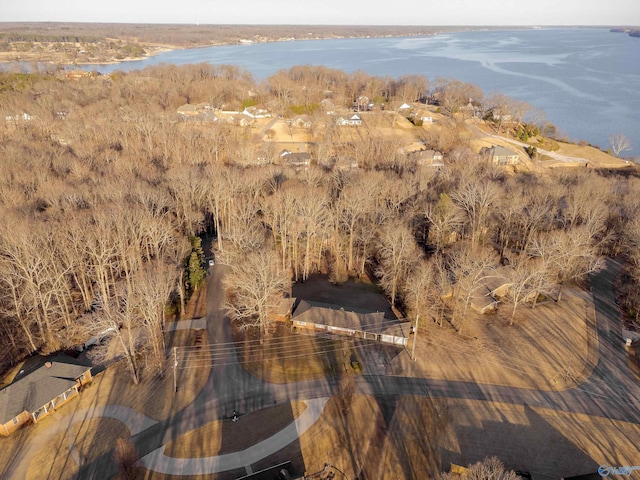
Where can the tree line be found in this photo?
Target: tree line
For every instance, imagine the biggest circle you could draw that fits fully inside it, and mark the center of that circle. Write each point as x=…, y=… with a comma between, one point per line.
x=101, y=209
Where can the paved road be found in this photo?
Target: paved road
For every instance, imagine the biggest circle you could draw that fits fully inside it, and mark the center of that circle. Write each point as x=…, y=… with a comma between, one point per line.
x=611, y=391
x=541, y=151
x=159, y=462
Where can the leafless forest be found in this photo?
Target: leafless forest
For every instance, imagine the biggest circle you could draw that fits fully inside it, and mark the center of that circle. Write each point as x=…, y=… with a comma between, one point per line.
x=102, y=189
x=200, y=35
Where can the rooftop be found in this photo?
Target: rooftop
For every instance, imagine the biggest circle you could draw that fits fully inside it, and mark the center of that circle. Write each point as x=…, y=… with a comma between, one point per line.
x=38, y=387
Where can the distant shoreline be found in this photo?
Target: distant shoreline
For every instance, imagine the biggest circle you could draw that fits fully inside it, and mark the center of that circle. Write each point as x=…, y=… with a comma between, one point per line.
x=160, y=38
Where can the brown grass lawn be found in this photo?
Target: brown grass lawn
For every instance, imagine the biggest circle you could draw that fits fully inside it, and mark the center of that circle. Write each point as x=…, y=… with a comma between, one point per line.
x=90, y=440
x=305, y=356
x=282, y=133
x=394, y=438
x=218, y=438
x=534, y=353
x=154, y=396
x=597, y=158
x=539, y=440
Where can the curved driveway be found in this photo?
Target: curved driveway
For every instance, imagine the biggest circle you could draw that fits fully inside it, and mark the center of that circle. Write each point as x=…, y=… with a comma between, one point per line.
x=611, y=391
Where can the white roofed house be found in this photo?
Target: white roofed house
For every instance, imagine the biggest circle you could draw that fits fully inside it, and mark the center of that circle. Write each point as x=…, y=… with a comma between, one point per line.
x=257, y=111
x=424, y=116
x=352, y=120
x=301, y=121
x=241, y=120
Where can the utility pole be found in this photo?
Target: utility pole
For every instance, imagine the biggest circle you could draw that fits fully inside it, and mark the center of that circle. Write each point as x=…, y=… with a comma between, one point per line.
x=175, y=369
x=415, y=338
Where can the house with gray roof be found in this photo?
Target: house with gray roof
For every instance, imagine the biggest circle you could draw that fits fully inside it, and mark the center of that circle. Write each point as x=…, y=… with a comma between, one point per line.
x=297, y=160
x=37, y=393
x=499, y=155
x=336, y=319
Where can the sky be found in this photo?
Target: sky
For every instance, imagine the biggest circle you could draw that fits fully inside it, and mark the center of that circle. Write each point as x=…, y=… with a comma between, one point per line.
x=327, y=12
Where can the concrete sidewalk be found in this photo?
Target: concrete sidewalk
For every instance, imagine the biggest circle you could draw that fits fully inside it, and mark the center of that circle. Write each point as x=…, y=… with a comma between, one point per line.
x=157, y=461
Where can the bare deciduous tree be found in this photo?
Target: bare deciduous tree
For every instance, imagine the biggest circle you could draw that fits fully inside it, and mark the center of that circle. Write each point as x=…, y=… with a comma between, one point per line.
x=475, y=198
x=469, y=268
x=397, y=255
x=619, y=143
x=256, y=284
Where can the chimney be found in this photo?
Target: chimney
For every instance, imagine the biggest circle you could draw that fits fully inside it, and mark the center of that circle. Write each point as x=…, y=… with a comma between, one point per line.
x=48, y=364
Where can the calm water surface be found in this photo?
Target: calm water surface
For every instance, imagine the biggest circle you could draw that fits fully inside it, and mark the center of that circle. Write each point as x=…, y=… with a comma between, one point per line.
x=587, y=81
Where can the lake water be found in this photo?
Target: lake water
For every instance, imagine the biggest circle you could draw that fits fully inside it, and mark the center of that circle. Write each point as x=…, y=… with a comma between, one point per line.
x=587, y=81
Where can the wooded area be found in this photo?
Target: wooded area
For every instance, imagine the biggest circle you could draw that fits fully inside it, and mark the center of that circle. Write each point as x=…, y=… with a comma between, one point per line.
x=103, y=188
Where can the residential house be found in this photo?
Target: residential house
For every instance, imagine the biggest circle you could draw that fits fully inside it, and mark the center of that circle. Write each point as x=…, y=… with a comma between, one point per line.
x=207, y=116
x=423, y=115
x=256, y=111
x=21, y=117
x=482, y=302
x=283, y=310
x=239, y=119
x=427, y=158
x=473, y=109
x=298, y=161
x=362, y=104
x=497, y=281
x=300, y=121
x=189, y=110
x=336, y=319
x=499, y=155
x=404, y=108
x=353, y=120
x=39, y=392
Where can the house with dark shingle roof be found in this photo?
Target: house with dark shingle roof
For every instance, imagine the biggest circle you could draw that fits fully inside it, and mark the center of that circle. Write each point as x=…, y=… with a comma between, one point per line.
x=39, y=392
x=298, y=160
x=336, y=319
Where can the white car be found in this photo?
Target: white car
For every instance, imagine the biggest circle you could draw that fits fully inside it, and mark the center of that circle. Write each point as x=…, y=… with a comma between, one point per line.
x=211, y=262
